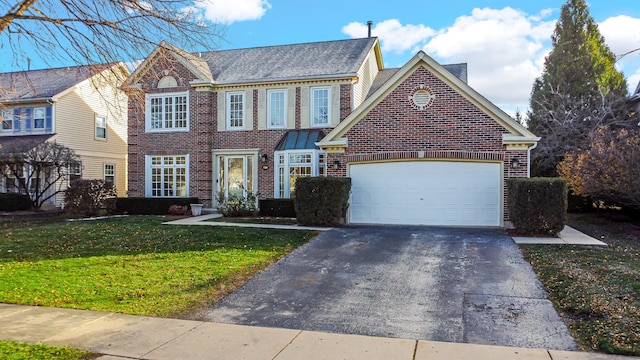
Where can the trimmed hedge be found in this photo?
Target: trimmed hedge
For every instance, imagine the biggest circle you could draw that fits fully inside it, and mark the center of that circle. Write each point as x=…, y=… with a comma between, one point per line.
x=538, y=206
x=15, y=202
x=150, y=206
x=322, y=200
x=277, y=207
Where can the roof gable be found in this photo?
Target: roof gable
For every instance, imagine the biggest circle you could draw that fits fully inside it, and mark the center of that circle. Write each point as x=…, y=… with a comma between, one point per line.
x=318, y=60
x=196, y=65
x=518, y=133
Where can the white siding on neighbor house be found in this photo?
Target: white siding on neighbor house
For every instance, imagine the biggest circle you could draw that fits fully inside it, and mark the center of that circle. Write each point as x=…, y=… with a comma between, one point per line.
x=74, y=126
x=93, y=168
x=367, y=73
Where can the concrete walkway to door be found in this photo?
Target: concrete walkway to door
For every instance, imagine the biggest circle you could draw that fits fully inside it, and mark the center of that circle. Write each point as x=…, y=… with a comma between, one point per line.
x=438, y=284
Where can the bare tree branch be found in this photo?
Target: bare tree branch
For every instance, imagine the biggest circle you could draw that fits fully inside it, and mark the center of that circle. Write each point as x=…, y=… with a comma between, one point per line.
x=101, y=31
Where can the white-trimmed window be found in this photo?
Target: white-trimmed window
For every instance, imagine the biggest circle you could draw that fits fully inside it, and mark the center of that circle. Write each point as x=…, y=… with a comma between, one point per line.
x=101, y=127
x=235, y=110
x=293, y=164
x=276, y=109
x=320, y=106
x=110, y=174
x=168, y=112
x=39, y=118
x=75, y=171
x=7, y=120
x=167, y=176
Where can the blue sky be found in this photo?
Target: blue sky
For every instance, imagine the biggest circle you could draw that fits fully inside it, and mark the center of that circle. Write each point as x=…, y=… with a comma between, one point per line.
x=504, y=43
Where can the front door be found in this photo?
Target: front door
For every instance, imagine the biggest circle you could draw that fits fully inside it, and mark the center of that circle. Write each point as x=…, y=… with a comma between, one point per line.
x=235, y=178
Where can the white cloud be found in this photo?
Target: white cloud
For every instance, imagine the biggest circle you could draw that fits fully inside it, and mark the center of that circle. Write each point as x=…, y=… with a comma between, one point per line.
x=622, y=34
x=394, y=36
x=230, y=11
x=504, y=50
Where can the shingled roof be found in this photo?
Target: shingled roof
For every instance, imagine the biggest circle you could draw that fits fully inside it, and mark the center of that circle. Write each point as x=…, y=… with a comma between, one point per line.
x=43, y=84
x=338, y=58
x=459, y=70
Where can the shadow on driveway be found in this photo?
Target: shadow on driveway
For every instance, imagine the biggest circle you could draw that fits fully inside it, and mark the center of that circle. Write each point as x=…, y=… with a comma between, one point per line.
x=440, y=284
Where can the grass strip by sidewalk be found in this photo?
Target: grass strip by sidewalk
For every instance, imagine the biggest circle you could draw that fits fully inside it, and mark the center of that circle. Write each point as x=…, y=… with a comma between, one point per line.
x=133, y=265
x=595, y=290
x=10, y=350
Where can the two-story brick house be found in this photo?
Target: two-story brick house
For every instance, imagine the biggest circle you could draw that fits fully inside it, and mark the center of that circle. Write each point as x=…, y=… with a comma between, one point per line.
x=80, y=107
x=256, y=119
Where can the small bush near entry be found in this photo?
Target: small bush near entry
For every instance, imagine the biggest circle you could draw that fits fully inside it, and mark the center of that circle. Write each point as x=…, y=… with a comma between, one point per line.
x=14, y=202
x=322, y=201
x=538, y=206
x=88, y=197
x=150, y=206
x=237, y=205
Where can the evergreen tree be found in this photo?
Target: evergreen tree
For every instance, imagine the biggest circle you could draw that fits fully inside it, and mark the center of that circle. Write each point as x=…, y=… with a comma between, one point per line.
x=579, y=90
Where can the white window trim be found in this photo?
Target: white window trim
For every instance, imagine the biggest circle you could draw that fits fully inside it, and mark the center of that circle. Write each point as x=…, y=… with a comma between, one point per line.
x=148, y=178
x=217, y=154
x=97, y=127
x=311, y=106
x=113, y=166
x=228, y=110
x=33, y=118
x=147, y=120
x=285, y=110
x=6, y=116
x=315, y=164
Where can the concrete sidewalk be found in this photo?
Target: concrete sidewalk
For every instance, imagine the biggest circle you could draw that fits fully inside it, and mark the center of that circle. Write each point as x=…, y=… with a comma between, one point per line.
x=120, y=336
x=568, y=236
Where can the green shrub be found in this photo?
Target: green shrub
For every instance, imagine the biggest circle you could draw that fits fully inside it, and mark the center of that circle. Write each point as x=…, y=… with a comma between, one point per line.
x=88, y=197
x=277, y=207
x=150, y=206
x=322, y=201
x=237, y=205
x=538, y=206
x=15, y=202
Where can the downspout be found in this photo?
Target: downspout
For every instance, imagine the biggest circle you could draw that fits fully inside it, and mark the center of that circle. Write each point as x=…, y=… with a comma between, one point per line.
x=529, y=159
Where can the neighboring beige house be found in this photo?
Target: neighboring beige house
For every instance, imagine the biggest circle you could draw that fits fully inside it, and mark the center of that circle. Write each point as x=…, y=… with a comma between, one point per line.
x=80, y=107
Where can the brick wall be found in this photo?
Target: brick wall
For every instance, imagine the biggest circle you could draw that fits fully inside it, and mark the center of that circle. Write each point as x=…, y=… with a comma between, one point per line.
x=450, y=127
x=196, y=143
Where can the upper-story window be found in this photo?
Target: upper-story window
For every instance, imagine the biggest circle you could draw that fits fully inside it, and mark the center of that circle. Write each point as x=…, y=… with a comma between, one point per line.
x=38, y=118
x=276, y=109
x=7, y=120
x=320, y=108
x=101, y=127
x=235, y=110
x=167, y=112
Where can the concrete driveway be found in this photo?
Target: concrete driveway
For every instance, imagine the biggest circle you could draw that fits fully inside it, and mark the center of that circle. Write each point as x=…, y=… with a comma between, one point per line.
x=441, y=284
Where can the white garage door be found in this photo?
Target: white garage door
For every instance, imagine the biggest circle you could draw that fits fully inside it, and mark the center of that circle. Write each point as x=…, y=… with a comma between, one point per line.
x=426, y=193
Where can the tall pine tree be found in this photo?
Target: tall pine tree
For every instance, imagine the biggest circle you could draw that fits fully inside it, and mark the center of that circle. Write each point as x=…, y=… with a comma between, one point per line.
x=579, y=90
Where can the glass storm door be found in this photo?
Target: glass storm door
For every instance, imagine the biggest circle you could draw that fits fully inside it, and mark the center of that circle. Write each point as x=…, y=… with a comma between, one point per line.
x=235, y=176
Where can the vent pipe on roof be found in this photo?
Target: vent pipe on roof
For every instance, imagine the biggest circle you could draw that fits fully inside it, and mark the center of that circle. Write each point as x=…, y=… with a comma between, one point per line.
x=369, y=23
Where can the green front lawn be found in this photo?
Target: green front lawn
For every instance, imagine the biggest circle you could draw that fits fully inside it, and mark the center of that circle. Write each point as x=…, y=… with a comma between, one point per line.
x=22, y=351
x=596, y=290
x=133, y=265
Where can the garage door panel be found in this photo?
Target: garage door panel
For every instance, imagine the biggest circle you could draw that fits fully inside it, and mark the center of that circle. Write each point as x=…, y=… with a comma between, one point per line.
x=427, y=193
